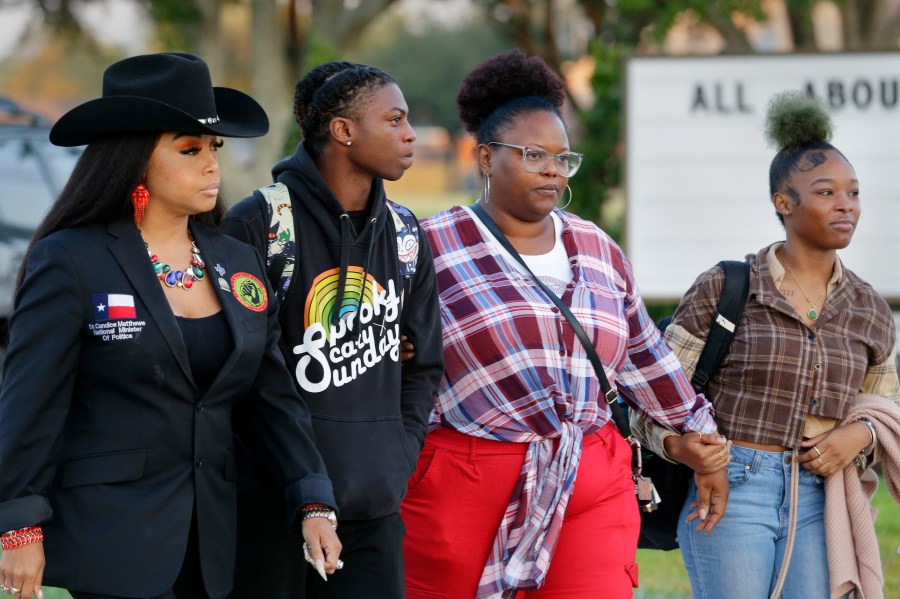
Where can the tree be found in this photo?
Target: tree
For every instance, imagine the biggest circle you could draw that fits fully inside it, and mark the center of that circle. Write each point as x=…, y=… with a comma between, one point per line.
x=281, y=38
x=866, y=24
x=256, y=45
x=555, y=30
x=442, y=58
x=624, y=27
x=601, y=171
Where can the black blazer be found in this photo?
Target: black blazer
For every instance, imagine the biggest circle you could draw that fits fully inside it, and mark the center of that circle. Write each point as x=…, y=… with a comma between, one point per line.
x=105, y=439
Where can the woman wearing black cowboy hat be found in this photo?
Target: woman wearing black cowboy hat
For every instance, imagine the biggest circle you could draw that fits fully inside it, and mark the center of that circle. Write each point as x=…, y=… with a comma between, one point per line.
x=137, y=329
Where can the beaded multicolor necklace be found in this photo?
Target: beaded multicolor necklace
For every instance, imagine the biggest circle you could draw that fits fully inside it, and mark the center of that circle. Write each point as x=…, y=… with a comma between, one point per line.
x=179, y=278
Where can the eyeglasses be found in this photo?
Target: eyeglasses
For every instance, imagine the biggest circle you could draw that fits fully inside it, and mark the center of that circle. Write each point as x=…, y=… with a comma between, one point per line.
x=536, y=159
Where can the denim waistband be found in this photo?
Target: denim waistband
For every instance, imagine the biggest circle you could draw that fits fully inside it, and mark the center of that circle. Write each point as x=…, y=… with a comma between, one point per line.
x=758, y=458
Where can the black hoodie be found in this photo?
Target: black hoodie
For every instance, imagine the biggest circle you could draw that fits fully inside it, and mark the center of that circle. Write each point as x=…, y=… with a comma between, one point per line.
x=370, y=414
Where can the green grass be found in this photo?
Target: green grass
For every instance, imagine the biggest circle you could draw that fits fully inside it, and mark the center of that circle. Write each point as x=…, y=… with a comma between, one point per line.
x=662, y=574
x=887, y=525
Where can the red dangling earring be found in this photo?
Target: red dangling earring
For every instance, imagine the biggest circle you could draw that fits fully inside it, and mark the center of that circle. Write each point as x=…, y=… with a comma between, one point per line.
x=139, y=197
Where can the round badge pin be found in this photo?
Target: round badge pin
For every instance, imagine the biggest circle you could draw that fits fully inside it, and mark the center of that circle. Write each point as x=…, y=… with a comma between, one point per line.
x=249, y=291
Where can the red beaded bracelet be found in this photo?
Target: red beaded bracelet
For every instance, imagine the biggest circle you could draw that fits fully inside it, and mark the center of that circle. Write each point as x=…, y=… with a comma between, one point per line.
x=315, y=506
x=16, y=538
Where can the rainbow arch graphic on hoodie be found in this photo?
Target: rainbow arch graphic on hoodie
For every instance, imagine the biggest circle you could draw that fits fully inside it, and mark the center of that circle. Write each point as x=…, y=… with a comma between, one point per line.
x=320, y=303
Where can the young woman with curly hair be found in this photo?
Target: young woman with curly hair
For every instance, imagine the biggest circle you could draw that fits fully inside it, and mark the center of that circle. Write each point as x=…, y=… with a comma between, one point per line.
x=525, y=483
x=813, y=338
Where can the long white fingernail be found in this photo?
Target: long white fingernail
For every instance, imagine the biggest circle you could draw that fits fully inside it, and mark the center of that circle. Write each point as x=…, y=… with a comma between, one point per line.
x=320, y=568
x=702, y=513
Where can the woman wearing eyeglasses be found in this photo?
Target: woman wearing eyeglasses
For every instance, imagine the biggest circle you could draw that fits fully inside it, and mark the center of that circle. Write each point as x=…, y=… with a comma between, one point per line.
x=524, y=484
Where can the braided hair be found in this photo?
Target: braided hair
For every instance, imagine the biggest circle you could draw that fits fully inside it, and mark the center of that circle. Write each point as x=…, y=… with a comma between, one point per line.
x=800, y=128
x=503, y=87
x=331, y=90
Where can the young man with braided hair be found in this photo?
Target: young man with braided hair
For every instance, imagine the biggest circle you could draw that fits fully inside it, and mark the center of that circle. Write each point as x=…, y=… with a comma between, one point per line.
x=353, y=274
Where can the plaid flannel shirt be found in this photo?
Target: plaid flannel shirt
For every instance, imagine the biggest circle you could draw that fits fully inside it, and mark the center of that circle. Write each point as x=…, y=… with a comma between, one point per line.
x=779, y=370
x=514, y=371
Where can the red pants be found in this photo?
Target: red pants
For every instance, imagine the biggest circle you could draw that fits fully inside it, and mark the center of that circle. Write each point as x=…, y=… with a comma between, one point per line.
x=458, y=495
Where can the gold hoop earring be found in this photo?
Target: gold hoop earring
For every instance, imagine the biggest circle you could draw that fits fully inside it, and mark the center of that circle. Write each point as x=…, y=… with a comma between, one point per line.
x=486, y=189
x=563, y=207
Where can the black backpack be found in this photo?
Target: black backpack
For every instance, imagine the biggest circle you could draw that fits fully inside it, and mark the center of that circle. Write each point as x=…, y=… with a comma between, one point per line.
x=671, y=480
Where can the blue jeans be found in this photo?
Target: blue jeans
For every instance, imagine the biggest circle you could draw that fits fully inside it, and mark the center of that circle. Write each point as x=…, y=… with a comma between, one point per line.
x=741, y=557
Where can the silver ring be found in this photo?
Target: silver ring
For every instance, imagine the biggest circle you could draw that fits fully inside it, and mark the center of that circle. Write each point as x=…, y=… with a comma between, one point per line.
x=821, y=463
x=819, y=453
x=722, y=454
x=306, y=554
x=339, y=565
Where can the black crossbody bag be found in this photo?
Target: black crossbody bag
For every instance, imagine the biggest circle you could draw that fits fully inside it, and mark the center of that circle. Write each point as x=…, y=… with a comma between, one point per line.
x=657, y=527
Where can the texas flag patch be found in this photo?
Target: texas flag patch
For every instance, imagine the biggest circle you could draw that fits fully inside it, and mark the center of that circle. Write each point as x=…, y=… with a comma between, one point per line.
x=113, y=306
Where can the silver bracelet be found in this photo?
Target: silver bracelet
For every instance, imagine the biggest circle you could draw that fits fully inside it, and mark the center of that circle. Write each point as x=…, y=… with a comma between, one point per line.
x=862, y=460
x=868, y=450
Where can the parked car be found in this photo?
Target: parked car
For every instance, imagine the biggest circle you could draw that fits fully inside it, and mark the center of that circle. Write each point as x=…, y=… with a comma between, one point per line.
x=32, y=174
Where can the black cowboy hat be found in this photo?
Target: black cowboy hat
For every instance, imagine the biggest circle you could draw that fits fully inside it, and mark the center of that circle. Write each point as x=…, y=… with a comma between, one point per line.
x=170, y=91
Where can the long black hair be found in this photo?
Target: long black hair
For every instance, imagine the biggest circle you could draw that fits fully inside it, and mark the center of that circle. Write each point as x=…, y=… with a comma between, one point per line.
x=99, y=188
x=503, y=87
x=331, y=90
x=800, y=128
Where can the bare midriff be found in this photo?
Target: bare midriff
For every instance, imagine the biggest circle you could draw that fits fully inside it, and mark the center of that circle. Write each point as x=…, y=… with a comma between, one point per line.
x=761, y=446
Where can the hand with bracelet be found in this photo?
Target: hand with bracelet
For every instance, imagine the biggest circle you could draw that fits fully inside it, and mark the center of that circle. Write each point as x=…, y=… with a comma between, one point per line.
x=321, y=546
x=22, y=562
x=831, y=451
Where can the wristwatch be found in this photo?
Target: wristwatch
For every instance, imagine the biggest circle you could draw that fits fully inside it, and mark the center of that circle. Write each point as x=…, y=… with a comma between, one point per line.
x=321, y=513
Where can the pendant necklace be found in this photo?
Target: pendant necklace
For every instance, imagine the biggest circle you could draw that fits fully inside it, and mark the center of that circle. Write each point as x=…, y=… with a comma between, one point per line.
x=179, y=278
x=813, y=313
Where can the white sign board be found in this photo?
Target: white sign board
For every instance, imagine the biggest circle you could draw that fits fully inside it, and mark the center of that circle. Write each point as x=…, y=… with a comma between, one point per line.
x=697, y=165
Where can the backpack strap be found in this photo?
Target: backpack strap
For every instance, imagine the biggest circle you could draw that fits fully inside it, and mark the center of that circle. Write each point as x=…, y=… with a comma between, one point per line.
x=732, y=300
x=281, y=252
x=407, y=228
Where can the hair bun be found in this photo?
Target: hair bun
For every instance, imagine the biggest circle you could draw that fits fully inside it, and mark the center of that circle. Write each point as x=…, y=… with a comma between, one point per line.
x=502, y=78
x=795, y=119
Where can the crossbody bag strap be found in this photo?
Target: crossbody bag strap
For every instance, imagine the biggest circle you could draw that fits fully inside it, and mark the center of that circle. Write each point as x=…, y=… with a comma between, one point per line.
x=610, y=394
